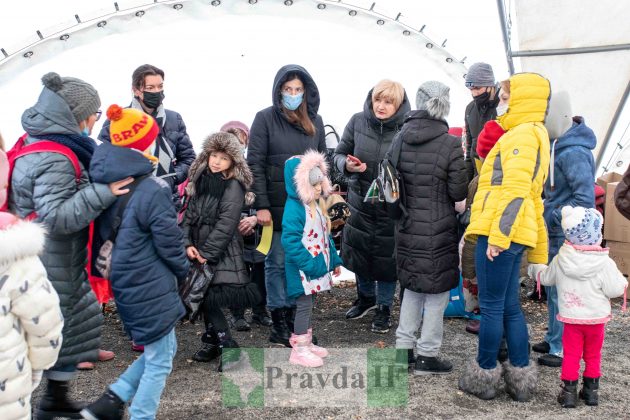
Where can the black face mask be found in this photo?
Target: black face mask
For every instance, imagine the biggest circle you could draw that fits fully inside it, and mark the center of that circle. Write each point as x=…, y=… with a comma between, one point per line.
x=153, y=99
x=482, y=99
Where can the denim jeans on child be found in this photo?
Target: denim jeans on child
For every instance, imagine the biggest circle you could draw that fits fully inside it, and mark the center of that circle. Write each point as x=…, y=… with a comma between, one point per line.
x=554, y=331
x=143, y=381
x=582, y=341
x=382, y=290
x=500, y=305
x=275, y=279
x=428, y=310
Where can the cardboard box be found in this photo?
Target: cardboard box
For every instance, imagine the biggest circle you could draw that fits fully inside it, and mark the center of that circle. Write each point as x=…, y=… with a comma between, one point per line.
x=607, y=178
x=620, y=253
x=616, y=226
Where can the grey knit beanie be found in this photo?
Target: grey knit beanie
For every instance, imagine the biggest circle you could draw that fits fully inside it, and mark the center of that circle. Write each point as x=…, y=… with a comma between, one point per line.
x=80, y=96
x=479, y=75
x=433, y=97
x=315, y=176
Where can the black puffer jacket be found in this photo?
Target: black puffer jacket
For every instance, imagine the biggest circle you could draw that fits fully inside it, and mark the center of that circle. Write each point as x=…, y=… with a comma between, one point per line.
x=368, y=236
x=211, y=221
x=273, y=139
x=475, y=118
x=432, y=167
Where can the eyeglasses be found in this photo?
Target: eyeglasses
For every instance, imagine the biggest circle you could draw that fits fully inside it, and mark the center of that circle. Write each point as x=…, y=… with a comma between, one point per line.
x=98, y=114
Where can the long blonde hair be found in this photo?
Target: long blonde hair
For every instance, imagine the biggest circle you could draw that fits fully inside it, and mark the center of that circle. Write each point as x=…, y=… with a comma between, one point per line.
x=321, y=202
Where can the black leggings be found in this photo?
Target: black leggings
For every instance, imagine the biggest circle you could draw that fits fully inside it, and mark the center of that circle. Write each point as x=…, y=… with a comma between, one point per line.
x=303, y=314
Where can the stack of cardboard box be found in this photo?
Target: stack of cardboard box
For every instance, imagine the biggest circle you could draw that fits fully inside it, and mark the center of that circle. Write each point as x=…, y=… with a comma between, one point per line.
x=616, y=226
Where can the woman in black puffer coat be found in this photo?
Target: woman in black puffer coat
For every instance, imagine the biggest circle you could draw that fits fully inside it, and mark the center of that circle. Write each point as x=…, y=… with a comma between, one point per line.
x=432, y=167
x=368, y=236
x=219, y=178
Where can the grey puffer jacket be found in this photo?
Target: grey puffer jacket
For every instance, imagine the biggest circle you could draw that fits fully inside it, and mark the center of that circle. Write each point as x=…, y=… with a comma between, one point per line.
x=44, y=183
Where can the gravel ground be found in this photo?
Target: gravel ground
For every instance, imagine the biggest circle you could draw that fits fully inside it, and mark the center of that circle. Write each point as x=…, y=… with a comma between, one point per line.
x=193, y=390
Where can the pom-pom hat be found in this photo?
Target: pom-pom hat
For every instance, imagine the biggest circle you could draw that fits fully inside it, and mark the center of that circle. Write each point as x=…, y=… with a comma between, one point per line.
x=131, y=128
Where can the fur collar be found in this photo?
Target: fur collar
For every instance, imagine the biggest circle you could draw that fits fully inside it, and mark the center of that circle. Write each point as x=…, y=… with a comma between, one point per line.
x=308, y=161
x=228, y=144
x=20, y=240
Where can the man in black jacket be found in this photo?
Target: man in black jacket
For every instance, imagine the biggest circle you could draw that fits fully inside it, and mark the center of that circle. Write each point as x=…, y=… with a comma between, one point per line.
x=173, y=148
x=483, y=107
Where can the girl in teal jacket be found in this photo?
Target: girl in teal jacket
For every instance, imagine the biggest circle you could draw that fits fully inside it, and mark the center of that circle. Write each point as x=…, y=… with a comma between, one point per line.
x=310, y=254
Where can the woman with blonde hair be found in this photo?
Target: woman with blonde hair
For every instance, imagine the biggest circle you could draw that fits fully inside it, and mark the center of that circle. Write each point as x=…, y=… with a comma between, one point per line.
x=368, y=237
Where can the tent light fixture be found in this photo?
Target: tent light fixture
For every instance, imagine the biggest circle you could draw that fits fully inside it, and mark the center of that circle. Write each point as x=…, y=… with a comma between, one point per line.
x=288, y=2
x=140, y=13
x=215, y=2
x=380, y=22
x=406, y=32
x=429, y=45
x=102, y=24
x=27, y=54
x=64, y=37
x=253, y=1
x=352, y=12
x=321, y=6
x=449, y=60
x=178, y=6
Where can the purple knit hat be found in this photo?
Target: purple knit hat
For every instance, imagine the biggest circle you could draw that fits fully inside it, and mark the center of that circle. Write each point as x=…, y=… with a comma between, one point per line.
x=236, y=124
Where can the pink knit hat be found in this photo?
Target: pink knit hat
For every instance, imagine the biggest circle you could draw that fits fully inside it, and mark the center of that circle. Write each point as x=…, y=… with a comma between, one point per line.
x=236, y=124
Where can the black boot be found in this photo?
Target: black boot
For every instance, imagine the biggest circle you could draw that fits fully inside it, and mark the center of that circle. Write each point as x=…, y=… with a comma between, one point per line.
x=56, y=402
x=361, y=307
x=108, y=407
x=589, y=391
x=431, y=366
x=382, y=320
x=210, y=349
x=568, y=394
x=239, y=322
x=279, y=331
x=226, y=349
x=261, y=316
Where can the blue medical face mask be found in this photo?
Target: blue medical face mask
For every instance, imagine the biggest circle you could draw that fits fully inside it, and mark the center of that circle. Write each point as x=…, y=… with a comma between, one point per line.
x=292, y=102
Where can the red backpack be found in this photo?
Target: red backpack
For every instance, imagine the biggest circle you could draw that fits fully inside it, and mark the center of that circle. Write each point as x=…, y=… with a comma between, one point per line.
x=101, y=286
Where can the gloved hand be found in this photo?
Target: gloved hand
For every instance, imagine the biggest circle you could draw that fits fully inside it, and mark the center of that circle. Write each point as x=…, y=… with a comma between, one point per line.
x=534, y=269
x=36, y=378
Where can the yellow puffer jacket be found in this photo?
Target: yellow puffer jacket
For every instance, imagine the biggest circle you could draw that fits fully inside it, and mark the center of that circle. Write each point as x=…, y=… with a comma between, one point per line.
x=508, y=204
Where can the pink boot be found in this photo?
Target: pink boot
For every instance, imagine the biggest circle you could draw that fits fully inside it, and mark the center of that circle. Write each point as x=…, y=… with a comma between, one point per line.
x=301, y=353
x=315, y=349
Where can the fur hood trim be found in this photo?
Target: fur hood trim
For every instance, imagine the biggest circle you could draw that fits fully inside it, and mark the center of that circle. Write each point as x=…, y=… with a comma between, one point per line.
x=20, y=240
x=308, y=161
x=228, y=144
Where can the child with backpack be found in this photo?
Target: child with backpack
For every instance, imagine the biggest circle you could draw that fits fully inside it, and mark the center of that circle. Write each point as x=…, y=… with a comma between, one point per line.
x=30, y=320
x=219, y=178
x=586, y=278
x=310, y=253
x=147, y=260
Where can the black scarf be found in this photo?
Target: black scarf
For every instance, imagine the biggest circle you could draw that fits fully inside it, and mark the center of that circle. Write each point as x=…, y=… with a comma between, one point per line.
x=82, y=146
x=209, y=183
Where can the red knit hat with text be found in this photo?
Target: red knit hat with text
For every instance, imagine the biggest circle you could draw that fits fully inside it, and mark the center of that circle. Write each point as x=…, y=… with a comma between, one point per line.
x=131, y=128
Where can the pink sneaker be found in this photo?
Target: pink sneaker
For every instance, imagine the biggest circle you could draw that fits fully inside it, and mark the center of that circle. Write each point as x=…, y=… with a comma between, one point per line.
x=315, y=349
x=301, y=353
x=137, y=347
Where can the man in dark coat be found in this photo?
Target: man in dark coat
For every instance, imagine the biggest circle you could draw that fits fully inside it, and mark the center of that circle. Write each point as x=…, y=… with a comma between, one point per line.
x=431, y=165
x=368, y=236
x=483, y=108
x=173, y=148
x=289, y=127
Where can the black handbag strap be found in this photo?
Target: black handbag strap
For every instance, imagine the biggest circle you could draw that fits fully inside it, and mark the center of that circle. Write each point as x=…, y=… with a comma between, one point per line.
x=123, y=204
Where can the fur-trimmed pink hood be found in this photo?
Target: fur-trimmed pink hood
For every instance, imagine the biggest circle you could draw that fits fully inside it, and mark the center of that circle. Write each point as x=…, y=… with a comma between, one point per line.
x=298, y=168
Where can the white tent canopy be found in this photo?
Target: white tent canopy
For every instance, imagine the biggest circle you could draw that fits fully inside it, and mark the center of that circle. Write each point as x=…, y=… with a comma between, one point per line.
x=582, y=47
x=220, y=59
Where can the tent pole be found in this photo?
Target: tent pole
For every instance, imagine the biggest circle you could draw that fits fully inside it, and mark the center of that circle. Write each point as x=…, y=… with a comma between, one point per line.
x=506, y=38
x=611, y=128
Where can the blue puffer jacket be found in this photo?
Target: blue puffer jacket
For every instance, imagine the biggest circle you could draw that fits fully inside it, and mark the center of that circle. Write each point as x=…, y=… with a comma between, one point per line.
x=149, y=254
x=571, y=175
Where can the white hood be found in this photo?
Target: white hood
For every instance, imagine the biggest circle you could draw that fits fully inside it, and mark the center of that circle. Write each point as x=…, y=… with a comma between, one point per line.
x=581, y=265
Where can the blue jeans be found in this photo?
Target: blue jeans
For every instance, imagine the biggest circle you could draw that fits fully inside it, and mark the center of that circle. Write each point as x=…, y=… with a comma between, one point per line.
x=500, y=306
x=383, y=290
x=275, y=278
x=144, y=380
x=555, y=327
